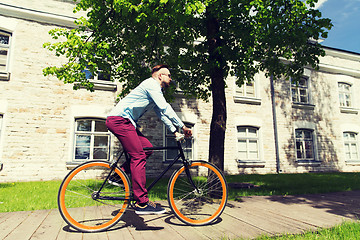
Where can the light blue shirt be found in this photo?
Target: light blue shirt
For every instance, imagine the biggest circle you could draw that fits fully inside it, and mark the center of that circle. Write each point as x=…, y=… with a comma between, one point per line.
x=146, y=96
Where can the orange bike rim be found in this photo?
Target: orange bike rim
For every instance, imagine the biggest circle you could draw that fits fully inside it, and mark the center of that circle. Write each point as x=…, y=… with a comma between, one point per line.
x=62, y=198
x=222, y=199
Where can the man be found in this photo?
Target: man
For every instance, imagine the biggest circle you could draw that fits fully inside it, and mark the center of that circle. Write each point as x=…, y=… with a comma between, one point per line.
x=122, y=122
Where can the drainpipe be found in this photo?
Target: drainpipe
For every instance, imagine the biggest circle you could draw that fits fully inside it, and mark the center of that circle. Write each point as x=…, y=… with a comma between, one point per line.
x=276, y=136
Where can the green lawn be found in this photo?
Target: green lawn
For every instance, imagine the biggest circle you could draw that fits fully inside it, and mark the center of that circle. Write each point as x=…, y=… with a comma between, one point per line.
x=24, y=196
x=345, y=231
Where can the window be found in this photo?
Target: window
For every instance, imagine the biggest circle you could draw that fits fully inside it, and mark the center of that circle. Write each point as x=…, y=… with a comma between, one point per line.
x=304, y=145
x=351, y=146
x=246, y=90
x=92, y=140
x=300, y=91
x=99, y=76
x=248, y=143
x=1, y=118
x=170, y=141
x=345, y=95
x=101, y=80
x=5, y=40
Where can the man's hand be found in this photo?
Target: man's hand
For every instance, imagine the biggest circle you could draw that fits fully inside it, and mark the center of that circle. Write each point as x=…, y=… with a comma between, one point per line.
x=187, y=131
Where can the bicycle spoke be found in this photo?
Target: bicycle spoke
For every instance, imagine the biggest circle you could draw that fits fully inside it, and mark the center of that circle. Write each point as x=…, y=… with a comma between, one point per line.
x=79, y=201
x=203, y=204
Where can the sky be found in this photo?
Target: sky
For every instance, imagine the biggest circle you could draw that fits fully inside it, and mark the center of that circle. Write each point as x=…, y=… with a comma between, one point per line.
x=345, y=16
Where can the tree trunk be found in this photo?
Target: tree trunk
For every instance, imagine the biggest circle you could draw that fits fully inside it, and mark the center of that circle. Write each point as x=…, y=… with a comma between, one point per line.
x=218, y=121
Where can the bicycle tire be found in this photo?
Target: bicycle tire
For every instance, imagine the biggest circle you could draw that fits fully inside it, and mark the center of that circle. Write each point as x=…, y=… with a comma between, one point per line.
x=77, y=205
x=198, y=208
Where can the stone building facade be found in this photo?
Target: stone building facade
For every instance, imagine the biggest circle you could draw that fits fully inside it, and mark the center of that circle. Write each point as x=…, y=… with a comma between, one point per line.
x=46, y=128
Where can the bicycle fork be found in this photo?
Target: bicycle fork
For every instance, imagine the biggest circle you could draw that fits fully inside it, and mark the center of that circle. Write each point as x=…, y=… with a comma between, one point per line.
x=187, y=171
x=187, y=163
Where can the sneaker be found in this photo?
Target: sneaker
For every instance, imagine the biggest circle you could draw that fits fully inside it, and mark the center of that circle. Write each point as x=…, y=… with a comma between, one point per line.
x=114, y=179
x=149, y=208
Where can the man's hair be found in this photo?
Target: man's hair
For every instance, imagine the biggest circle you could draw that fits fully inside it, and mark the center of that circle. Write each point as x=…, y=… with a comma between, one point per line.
x=158, y=67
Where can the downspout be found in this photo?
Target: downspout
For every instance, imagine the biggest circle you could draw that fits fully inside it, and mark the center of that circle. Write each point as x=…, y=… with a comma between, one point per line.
x=276, y=136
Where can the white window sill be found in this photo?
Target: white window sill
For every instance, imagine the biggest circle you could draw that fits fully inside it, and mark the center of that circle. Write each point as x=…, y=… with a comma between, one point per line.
x=251, y=163
x=349, y=110
x=306, y=106
x=74, y=164
x=4, y=76
x=308, y=162
x=353, y=162
x=104, y=85
x=247, y=100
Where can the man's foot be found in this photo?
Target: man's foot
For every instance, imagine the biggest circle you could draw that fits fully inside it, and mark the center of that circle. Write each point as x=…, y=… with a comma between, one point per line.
x=149, y=208
x=114, y=179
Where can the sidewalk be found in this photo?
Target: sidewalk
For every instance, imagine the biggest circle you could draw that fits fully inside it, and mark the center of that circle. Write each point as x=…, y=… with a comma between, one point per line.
x=254, y=216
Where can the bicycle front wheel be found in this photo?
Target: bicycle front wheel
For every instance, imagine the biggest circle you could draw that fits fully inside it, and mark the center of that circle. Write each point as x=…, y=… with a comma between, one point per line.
x=83, y=206
x=203, y=204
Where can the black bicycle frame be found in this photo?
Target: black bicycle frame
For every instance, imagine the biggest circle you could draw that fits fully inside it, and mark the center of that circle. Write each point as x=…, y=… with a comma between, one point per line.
x=181, y=156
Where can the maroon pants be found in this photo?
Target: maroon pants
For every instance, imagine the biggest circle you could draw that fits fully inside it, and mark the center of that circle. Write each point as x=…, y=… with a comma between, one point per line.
x=133, y=142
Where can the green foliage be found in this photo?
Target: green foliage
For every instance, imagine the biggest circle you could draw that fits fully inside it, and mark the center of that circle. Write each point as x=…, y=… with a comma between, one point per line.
x=126, y=37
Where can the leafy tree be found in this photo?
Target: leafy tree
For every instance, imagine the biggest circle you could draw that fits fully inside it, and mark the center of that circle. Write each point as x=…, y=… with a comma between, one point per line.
x=204, y=41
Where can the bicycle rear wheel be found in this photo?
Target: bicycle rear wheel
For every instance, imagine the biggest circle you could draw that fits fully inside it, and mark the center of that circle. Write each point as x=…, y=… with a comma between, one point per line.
x=79, y=202
x=197, y=207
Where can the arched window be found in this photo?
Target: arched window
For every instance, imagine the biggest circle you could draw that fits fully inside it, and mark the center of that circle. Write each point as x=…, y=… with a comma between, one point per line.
x=300, y=91
x=1, y=118
x=304, y=144
x=351, y=146
x=5, y=41
x=248, y=143
x=345, y=97
x=92, y=140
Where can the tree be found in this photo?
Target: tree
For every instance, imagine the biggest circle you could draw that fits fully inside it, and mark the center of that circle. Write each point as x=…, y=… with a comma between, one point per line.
x=204, y=41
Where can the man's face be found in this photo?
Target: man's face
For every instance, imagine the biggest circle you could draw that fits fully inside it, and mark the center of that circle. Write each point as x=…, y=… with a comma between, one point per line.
x=165, y=77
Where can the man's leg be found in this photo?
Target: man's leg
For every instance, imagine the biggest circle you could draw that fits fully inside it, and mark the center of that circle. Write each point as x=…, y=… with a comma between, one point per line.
x=125, y=131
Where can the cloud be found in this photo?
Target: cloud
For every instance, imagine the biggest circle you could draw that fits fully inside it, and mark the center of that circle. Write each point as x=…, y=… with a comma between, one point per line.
x=320, y=3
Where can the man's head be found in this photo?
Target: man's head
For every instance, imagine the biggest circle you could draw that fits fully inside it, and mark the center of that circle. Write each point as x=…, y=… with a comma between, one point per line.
x=162, y=74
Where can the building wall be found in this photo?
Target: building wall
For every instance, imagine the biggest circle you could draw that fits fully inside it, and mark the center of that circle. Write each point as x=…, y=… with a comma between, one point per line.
x=37, y=135
x=39, y=111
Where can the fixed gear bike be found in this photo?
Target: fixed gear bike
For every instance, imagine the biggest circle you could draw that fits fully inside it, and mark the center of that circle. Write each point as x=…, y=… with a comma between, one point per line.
x=196, y=193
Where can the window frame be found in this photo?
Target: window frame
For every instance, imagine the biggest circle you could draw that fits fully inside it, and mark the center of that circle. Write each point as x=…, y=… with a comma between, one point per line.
x=243, y=90
x=5, y=75
x=247, y=142
x=343, y=93
x=240, y=93
x=295, y=86
x=169, y=135
x=92, y=133
x=303, y=145
x=100, y=84
x=356, y=142
x=1, y=124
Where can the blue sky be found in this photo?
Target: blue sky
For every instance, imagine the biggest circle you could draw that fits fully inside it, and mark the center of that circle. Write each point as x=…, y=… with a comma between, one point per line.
x=345, y=15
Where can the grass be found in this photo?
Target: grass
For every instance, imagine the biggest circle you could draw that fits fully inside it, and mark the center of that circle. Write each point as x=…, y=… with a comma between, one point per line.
x=294, y=184
x=346, y=230
x=25, y=196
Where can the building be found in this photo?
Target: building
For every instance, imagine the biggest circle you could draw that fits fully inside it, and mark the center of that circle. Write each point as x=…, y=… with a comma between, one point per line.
x=46, y=128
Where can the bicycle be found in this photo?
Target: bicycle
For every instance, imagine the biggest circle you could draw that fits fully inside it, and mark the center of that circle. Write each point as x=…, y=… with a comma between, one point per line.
x=196, y=193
